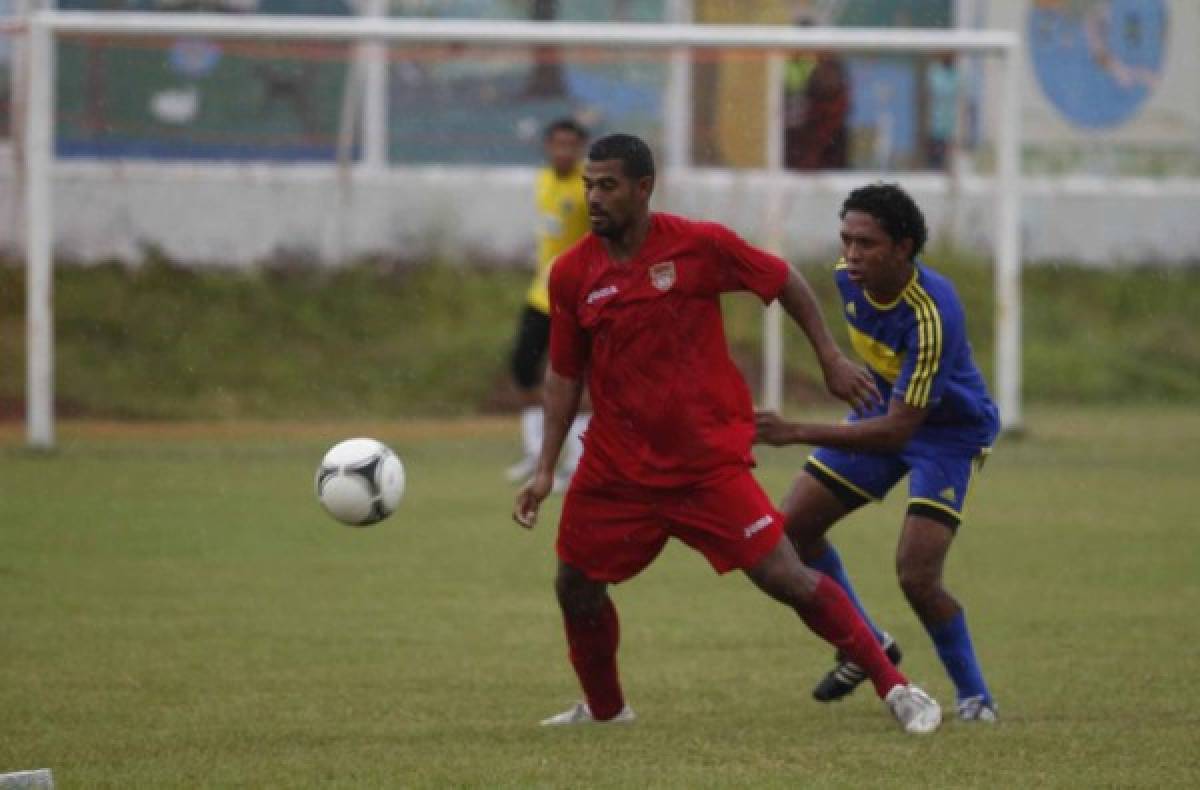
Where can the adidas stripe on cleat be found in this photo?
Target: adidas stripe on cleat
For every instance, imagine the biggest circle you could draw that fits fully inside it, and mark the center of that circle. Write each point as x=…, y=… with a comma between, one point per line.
x=847, y=676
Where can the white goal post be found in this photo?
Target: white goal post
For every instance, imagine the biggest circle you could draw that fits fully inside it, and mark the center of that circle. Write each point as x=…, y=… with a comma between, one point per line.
x=45, y=26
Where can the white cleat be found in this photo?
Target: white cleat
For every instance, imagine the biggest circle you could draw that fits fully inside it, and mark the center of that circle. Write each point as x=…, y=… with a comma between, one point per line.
x=977, y=709
x=917, y=712
x=580, y=713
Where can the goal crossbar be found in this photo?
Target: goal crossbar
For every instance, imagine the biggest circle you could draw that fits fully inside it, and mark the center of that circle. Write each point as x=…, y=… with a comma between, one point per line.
x=502, y=32
x=45, y=26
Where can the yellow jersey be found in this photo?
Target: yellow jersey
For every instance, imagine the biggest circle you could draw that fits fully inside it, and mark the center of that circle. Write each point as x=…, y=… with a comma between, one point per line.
x=562, y=220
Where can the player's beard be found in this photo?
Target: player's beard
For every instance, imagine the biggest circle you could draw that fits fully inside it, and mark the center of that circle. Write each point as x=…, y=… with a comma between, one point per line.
x=608, y=228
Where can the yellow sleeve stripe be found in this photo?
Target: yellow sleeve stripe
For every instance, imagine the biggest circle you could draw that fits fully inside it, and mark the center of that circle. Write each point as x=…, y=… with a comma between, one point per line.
x=930, y=348
x=929, y=345
x=916, y=394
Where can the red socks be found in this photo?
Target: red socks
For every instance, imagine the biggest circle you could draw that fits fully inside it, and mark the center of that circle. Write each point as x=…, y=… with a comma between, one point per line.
x=592, y=647
x=833, y=618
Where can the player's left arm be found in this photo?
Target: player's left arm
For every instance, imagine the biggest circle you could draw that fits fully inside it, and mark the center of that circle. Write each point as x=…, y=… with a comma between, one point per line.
x=770, y=277
x=844, y=379
x=887, y=433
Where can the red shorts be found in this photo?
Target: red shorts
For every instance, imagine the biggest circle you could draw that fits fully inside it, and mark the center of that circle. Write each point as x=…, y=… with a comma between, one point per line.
x=611, y=533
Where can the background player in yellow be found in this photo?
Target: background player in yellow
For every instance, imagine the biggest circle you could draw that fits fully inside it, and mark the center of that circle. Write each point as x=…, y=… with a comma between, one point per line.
x=562, y=221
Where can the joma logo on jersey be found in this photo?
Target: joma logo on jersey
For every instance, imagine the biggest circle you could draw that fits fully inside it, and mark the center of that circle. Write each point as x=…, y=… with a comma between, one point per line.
x=601, y=293
x=662, y=275
x=758, y=526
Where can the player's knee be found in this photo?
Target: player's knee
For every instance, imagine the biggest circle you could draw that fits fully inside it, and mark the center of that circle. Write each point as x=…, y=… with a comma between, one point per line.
x=918, y=584
x=809, y=511
x=802, y=529
x=790, y=583
x=577, y=595
x=810, y=549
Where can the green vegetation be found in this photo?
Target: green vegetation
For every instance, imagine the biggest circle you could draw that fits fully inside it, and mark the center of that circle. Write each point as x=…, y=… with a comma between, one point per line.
x=385, y=339
x=163, y=341
x=178, y=613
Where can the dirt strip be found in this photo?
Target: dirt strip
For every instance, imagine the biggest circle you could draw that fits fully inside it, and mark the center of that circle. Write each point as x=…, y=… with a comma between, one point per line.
x=393, y=430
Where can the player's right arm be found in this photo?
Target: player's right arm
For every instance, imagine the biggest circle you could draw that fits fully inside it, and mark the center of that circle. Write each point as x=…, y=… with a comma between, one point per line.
x=560, y=400
x=887, y=433
x=561, y=389
x=919, y=387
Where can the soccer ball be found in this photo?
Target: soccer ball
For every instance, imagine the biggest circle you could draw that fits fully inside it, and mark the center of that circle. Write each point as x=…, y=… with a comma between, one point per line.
x=360, y=482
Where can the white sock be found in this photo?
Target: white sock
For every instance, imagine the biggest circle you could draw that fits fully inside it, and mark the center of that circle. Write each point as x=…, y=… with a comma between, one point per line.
x=574, y=444
x=532, y=419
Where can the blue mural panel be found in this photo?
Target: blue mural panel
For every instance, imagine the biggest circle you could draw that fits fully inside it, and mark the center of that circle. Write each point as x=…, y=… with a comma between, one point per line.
x=1097, y=61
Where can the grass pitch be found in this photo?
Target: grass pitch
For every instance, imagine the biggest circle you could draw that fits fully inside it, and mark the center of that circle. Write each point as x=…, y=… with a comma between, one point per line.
x=175, y=611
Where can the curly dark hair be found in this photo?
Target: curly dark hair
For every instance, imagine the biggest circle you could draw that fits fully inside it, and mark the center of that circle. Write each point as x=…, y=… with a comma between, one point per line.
x=894, y=209
x=635, y=156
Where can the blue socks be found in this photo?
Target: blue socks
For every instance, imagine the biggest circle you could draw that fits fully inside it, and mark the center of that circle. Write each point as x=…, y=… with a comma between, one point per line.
x=830, y=564
x=951, y=638
x=953, y=643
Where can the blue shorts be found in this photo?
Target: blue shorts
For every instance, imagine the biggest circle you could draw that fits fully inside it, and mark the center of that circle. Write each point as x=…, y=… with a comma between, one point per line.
x=939, y=477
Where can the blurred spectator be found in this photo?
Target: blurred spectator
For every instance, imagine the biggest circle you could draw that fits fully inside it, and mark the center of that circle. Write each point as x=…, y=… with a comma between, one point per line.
x=816, y=108
x=546, y=78
x=941, y=87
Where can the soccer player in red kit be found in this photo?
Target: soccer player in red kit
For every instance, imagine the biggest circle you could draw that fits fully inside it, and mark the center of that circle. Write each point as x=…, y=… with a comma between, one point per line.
x=635, y=313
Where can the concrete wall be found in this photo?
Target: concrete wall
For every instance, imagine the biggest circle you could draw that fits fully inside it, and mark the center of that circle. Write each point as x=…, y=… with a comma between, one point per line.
x=236, y=214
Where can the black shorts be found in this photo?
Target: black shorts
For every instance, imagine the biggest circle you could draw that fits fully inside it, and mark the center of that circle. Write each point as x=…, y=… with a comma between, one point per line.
x=529, y=353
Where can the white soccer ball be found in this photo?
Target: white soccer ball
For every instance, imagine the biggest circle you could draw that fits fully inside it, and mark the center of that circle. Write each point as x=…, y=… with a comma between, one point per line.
x=360, y=482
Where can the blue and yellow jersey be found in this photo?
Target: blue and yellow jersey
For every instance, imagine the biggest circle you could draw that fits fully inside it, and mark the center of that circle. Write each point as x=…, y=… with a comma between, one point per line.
x=562, y=221
x=916, y=347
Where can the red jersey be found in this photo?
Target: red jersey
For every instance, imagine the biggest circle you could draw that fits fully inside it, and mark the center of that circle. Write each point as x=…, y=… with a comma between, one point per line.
x=669, y=406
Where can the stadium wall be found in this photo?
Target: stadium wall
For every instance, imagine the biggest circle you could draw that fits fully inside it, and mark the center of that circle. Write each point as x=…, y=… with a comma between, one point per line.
x=212, y=214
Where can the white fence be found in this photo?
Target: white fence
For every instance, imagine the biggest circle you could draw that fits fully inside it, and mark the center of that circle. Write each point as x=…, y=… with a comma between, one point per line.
x=236, y=214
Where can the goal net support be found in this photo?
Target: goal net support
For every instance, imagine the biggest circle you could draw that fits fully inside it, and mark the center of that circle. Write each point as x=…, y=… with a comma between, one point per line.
x=369, y=34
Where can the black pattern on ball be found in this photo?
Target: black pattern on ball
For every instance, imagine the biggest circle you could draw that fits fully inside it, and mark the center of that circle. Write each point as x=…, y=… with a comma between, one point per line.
x=369, y=470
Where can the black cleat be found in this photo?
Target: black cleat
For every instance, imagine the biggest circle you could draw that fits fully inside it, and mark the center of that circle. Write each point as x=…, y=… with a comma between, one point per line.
x=846, y=676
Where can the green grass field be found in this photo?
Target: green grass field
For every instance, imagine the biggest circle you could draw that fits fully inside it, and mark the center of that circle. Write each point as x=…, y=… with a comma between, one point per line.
x=178, y=613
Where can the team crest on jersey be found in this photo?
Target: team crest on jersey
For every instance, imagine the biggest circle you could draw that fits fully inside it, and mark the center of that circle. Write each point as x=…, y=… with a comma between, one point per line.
x=662, y=275
x=850, y=309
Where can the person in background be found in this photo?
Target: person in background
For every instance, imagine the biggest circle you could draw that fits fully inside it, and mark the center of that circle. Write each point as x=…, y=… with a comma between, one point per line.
x=816, y=111
x=941, y=88
x=562, y=220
